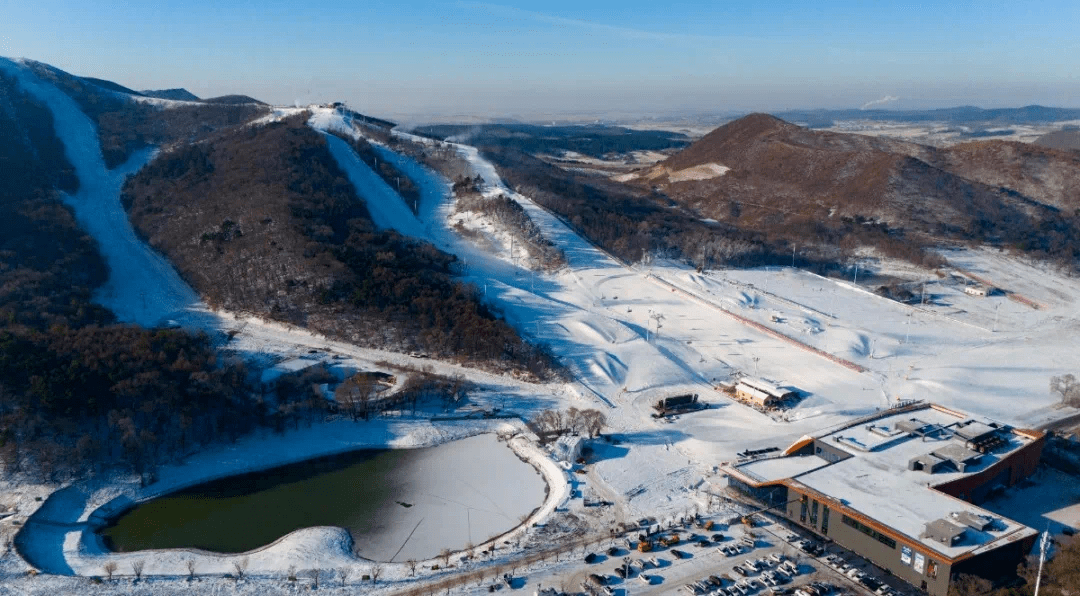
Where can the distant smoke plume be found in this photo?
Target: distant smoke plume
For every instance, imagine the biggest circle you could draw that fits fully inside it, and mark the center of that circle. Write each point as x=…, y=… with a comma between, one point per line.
x=878, y=102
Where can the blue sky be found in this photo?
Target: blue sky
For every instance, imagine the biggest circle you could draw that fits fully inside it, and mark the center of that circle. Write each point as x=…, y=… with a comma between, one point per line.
x=416, y=59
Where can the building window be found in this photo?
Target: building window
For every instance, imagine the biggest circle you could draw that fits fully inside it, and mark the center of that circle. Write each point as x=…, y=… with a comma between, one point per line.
x=813, y=514
x=882, y=538
x=931, y=569
x=825, y=520
x=802, y=510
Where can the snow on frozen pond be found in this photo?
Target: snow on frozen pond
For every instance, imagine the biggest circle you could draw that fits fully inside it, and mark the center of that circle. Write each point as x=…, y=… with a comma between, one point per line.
x=398, y=504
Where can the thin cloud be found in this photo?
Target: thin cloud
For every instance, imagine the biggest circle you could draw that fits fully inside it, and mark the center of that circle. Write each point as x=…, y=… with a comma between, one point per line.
x=879, y=102
x=625, y=32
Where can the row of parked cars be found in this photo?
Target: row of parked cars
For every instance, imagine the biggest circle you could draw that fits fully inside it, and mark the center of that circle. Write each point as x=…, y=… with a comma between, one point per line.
x=840, y=564
x=770, y=572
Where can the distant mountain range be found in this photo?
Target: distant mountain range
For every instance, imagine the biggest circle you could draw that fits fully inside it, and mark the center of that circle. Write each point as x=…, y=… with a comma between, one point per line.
x=177, y=94
x=958, y=115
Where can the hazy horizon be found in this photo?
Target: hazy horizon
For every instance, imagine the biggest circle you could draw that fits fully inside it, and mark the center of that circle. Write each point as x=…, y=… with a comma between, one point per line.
x=513, y=60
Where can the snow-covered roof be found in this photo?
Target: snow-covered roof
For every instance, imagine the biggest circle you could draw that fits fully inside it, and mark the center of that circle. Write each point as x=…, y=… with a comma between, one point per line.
x=765, y=386
x=755, y=394
x=875, y=481
x=778, y=468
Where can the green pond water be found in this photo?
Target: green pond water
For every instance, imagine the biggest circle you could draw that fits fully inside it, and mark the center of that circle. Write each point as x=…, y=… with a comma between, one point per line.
x=397, y=504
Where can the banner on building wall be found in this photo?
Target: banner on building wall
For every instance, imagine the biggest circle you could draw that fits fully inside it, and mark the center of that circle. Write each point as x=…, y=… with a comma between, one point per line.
x=920, y=561
x=905, y=555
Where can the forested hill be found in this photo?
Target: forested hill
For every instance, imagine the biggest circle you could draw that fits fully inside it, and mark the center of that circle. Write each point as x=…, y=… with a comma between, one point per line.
x=296, y=244
x=77, y=391
x=835, y=193
x=258, y=218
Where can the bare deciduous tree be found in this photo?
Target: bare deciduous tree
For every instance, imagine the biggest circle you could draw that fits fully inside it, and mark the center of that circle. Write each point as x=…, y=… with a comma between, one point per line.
x=444, y=554
x=137, y=568
x=315, y=573
x=412, y=566
x=344, y=574
x=595, y=421
x=292, y=573
x=1067, y=388
x=110, y=569
x=191, y=569
x=240, y=567
x=376, y=571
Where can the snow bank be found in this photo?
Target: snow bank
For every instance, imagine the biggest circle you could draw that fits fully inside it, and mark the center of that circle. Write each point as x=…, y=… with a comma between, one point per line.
x=702, y=172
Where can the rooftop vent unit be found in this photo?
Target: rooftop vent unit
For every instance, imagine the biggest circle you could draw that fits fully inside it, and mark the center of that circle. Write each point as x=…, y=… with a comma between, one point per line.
x=943, y=531
x=974, y=431
x=988, y=444
x=914, y=426
x=931, y=463
x=972, y=520
x=959, y=456
x=883, y=431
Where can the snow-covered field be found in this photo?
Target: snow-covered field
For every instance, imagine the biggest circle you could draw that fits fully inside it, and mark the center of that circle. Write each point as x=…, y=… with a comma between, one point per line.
x=630, y=336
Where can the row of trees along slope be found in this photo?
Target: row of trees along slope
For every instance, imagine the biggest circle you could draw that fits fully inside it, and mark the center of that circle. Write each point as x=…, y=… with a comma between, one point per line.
x=79, y=392
x=261, y=219
x=830, y=193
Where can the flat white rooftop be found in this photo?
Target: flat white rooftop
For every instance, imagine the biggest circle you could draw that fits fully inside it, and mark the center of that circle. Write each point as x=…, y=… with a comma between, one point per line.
x=903, y=505
x=779, y=468
x=875, y=480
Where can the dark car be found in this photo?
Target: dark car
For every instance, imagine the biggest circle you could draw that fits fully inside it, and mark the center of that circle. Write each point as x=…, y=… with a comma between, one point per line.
x=738, y=569
x=590, y=558
x=678, y=554
x=717, y=537
x=619, y=571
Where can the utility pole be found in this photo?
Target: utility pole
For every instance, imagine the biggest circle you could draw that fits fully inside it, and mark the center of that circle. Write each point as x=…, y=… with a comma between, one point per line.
x=996, y=307
x=856, y=280
x=792, y=256
x=1042, y=558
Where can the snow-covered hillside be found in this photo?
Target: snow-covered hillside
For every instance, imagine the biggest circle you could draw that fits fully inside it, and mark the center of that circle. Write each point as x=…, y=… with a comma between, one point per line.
x=630, y=335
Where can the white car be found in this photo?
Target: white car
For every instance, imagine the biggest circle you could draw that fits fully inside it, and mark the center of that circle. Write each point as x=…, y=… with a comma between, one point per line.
x=855, y=574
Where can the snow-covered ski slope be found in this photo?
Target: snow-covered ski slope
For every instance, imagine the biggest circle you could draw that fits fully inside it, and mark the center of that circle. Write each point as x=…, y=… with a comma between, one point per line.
x=988, y=356
x=143, y=287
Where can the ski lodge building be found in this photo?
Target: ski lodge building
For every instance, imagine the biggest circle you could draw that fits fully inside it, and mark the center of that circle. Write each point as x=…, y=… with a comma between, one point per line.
x=901, y=488
x=760, y=392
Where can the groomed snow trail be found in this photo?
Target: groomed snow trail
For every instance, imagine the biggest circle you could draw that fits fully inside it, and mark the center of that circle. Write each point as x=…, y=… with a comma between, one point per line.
x=143, y=287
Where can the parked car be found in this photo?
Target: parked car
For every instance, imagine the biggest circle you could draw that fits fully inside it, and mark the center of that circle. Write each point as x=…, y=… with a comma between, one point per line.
x=590, y=558
x=678, y=553
x=738, y=569
x=717, y=537
x=645, y=579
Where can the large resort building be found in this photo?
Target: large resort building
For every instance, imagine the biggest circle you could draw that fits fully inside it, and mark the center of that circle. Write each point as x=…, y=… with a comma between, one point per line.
x=901, y=489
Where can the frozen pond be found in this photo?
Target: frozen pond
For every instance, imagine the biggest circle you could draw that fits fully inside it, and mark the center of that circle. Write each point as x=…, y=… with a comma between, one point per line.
x=398, y=504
